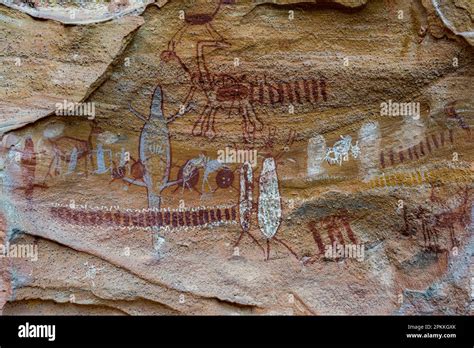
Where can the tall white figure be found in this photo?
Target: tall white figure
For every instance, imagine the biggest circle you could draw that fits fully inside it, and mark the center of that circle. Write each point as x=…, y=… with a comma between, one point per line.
x=369, y=143
x=316, y=152
x=269, y=205
x=269, y=200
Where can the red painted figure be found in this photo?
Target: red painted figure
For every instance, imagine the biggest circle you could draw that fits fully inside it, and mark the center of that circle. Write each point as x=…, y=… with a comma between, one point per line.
x=28, y=168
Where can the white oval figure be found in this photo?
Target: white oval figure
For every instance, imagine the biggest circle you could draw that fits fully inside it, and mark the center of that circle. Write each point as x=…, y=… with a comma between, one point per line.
x=269, y=200
x=316, y=152
x=246, y=192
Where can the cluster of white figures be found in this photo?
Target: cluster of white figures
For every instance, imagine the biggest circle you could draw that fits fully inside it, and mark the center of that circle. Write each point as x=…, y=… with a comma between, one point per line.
x=365, y=149
x=340, y=151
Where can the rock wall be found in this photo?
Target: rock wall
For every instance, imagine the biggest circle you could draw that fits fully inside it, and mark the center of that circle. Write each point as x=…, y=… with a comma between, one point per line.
x=236, y=157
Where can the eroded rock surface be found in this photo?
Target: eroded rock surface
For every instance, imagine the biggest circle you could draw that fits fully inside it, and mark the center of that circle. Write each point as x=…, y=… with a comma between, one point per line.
x=41, y=68
x=80, y=12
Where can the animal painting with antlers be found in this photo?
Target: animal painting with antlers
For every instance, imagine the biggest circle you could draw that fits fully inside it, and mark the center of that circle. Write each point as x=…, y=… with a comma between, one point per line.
x=222, y=92
x=236, y=93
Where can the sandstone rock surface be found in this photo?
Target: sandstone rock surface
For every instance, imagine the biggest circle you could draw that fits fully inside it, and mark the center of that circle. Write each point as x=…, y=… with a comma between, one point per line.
x=354, y=118
x=43, y=67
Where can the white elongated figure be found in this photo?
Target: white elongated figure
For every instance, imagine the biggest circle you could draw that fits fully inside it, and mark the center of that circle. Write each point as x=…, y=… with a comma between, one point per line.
x=100, y=159
x=155, y=165
x=316, y=152
x=246, y=193
x=369, y=143
x=246, y=205
x=73, y=161
x=269, y=200
x=269, y=204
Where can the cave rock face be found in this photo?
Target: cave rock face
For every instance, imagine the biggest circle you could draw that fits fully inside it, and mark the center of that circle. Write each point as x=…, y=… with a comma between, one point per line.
x=236, y=157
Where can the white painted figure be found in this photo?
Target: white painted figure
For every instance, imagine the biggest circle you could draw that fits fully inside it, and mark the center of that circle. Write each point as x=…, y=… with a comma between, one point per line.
x=269, y=200
x=316, y=154
x=369, y=138
x=340, y=151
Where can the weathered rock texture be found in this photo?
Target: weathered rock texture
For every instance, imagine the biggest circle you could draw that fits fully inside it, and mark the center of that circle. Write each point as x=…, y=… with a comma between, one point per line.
x=81, y=12
x=43, y=67
x=132, y=210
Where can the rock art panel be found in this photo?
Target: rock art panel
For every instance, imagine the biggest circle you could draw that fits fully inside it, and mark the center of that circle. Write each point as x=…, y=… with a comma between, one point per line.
x=191, y=157
x=62, y=69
